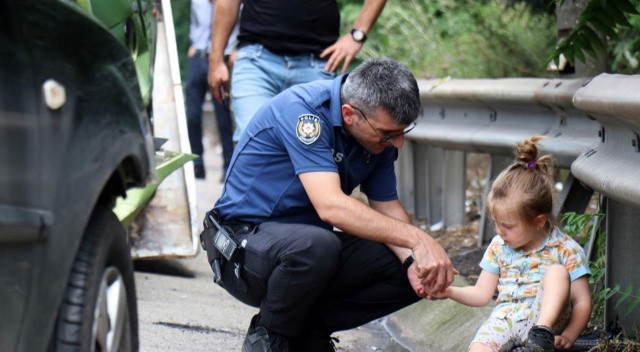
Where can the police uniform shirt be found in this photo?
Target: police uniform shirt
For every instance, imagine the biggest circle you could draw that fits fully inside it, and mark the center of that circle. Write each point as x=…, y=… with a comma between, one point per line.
x=300, y=131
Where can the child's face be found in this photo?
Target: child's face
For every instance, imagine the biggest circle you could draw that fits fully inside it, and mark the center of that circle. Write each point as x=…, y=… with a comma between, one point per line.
x=517, y=233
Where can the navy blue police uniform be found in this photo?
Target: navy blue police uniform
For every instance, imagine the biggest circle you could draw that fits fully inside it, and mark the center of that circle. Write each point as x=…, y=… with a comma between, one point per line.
x=301, y=273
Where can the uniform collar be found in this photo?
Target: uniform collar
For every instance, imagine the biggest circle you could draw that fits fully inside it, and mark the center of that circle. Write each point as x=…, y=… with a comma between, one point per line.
x=336, y=103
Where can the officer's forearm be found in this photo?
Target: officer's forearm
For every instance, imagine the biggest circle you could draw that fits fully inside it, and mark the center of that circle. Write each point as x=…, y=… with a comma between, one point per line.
x=395, y=210
x=356, y=218
x=226, y=16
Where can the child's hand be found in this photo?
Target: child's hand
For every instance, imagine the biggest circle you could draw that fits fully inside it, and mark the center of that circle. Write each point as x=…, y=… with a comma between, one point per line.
x=444, y=294
x=563, y=342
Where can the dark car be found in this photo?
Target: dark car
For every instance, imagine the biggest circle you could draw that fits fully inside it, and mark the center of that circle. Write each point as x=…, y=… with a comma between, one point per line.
x=74, y=135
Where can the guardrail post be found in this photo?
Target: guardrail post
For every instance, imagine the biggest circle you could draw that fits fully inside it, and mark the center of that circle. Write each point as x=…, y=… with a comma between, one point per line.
x=420, y=161
x=454, y=188
x=405, y=177
x=574, y=197
x=487, y=230
x=623, y=242
x=435, y=162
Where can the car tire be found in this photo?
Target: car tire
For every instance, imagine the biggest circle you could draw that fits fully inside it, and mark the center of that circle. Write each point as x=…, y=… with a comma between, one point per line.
x=99, y=311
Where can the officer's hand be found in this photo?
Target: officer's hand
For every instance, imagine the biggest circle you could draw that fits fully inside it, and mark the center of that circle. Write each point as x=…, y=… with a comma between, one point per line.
x=218, y=78
x=434, y=266
x=344, y=49
x=414, y=280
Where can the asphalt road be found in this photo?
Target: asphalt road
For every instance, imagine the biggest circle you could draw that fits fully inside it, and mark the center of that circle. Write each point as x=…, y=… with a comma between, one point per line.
x=181, y=309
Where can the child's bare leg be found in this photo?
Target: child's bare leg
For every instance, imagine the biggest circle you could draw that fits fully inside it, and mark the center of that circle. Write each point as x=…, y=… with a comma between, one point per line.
x=555, y=285
x=479, y=347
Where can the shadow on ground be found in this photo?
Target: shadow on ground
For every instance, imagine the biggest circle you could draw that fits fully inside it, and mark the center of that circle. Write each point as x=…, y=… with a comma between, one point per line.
x=170, y=267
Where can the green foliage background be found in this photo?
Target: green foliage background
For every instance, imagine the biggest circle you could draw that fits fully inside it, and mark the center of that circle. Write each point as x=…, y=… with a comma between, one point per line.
x=480, y=39
x=610, y=28
x=459, y=38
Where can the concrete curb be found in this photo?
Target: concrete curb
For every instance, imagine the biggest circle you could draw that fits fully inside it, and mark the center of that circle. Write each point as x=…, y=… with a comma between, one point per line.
x=437, y=326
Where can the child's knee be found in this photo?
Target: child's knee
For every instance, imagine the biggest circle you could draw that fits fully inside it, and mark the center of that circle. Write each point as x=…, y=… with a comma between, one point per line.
x=479, y=347
x=556, y=273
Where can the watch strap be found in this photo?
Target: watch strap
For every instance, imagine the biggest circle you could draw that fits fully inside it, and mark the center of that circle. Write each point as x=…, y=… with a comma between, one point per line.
x=407, y=262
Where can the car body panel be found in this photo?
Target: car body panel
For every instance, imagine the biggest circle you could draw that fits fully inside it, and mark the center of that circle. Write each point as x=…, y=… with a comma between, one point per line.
x=57, y=164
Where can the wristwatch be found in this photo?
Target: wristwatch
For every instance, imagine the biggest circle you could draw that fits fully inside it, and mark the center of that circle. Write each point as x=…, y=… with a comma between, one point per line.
x=407, y=262
x=358, y=35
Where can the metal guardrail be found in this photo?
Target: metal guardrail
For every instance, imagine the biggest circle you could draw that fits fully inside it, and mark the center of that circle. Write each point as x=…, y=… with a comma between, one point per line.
x=613, y=169
x=592, y=128
x=488, y=116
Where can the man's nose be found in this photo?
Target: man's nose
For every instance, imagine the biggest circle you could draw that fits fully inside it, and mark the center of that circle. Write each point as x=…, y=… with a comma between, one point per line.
x=398, y=142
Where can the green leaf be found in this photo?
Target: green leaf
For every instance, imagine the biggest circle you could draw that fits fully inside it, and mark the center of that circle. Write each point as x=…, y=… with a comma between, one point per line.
x=633, y=305
x=628, y=7
x=578, y=53
x=616, y=14
x=620, y=300
x=595, y=40
x=586, y=15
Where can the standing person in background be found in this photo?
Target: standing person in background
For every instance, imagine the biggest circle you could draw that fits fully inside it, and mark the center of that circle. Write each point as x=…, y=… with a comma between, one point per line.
x=281, y=43
x=200, y=34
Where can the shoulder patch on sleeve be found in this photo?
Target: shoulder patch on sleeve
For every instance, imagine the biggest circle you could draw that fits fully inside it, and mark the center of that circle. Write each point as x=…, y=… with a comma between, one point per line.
x=308, y=128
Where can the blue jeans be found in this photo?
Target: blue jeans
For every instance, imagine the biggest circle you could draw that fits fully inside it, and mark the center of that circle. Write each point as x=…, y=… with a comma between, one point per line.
x=259, y=75
x=196, y=90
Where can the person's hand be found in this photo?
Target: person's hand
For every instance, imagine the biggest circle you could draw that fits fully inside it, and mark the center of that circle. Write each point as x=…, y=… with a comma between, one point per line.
x=444, y=294
x=191, y=51
x=414, y=280
x=434, y=266
x=344, y=49
x=563, y=342
x=218, y=79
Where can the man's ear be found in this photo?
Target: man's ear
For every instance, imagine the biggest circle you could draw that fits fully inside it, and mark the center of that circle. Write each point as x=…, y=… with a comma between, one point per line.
x=348, y=114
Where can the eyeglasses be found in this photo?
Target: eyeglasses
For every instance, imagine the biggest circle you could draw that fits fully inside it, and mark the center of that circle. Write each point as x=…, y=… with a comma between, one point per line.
x=386, y=139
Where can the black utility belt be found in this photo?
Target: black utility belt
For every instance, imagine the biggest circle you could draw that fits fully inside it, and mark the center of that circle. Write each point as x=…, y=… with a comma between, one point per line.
x=221, y=238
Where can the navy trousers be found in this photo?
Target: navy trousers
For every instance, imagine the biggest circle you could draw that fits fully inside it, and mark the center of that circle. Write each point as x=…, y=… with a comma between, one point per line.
x=196, y=90
x=305, y=277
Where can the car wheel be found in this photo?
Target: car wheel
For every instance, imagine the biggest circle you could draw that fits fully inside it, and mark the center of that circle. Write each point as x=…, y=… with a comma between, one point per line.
x=99, y=312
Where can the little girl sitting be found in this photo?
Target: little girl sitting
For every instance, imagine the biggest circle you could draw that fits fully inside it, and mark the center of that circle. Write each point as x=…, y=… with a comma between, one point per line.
x=541, y=273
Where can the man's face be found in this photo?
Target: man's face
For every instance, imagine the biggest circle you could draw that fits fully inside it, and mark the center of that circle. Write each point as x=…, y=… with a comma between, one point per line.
x=374, y=131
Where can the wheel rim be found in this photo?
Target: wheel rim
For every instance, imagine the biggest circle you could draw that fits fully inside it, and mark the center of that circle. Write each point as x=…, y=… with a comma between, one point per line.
x=111, y=314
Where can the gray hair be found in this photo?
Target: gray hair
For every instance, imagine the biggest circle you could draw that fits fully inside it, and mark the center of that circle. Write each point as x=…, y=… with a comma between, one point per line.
x=383, y=83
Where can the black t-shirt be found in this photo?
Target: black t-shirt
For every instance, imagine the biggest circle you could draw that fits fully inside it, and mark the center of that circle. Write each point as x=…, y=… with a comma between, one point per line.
x=290, y=27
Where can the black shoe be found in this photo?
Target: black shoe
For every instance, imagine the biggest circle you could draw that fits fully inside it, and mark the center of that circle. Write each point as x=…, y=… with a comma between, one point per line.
x=260, y=339
x=313, y=341
x=540, y=338
x=198, y=170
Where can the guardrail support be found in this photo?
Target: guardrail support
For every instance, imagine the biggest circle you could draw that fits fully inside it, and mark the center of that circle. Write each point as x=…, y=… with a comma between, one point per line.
x=405, y=178
x=435, y=157
x=487, y=230
x=623, y=242
x=454, y=188
x=420, y=162
x=574, y=197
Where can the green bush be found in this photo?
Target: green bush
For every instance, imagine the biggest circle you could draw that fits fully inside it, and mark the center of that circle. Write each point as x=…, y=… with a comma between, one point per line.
x=458, y=38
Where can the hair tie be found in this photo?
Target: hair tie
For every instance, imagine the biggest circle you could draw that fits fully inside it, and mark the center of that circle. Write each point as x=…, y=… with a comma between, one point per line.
x=532, y=164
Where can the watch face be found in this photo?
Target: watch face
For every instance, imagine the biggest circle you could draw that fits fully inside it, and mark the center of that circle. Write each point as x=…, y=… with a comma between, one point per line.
x=357, y=35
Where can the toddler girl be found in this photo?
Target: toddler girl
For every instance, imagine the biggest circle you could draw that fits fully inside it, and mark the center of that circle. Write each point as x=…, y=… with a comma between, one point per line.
x=541, y=273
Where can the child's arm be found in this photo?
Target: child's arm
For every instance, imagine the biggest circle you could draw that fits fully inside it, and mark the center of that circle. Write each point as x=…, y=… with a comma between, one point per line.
x=581, y=300
x=478, y=295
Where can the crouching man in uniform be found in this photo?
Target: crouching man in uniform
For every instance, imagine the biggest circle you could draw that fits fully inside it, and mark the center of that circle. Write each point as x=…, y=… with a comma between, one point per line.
x=288, y=187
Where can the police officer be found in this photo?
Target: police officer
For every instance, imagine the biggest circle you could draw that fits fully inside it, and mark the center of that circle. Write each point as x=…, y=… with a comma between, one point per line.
x=288, y=187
